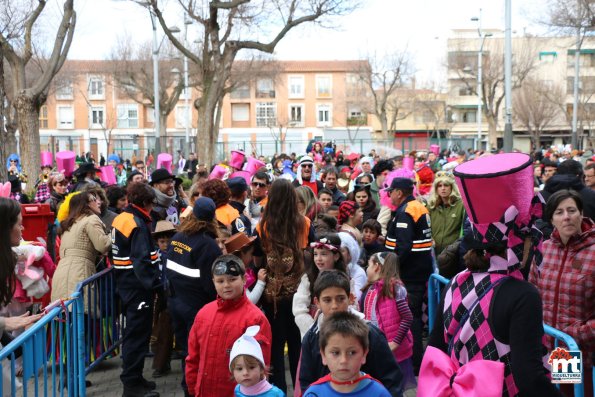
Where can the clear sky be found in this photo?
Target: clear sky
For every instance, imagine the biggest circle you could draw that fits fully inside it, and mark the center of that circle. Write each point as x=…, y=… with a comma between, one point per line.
x=379, y=26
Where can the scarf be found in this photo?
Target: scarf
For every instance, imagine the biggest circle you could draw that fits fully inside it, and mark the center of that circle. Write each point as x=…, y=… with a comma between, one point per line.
x=163, y=200
x=259, y=388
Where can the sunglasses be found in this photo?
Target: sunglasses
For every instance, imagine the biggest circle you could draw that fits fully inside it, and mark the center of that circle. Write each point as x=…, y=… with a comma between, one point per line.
x=306, y=165
x=13, y=161
x=229, y=268
x=258, y=184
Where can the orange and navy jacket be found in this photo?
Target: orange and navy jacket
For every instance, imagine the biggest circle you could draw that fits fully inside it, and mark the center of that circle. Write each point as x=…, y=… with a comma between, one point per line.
x=134, y=253
x=409, y=235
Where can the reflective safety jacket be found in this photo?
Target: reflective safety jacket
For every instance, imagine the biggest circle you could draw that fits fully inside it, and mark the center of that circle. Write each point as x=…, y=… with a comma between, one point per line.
x=409, y=235
x=134, y=253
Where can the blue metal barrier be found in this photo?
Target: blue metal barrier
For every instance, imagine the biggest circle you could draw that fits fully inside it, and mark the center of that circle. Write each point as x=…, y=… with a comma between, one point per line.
x=50, y=354
x=434, y=293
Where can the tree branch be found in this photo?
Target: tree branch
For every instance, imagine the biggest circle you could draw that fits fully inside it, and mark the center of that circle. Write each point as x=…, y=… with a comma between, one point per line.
x=28, y=51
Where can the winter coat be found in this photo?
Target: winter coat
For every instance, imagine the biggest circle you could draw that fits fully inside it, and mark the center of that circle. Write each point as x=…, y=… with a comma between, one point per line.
x=216, y=327
x=79, y=249
x=446, y=224
x=566, y=283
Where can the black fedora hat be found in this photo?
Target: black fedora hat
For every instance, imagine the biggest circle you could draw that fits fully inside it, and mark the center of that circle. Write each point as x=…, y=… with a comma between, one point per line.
x=85, y=168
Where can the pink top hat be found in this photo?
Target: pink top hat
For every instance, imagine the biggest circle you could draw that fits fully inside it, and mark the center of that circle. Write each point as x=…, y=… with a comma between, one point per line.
x=435, y=149
x=47, y=159
x=108, y=175
x=253, y=165
x=490, y=185
x=218, y=172
x=65, y=162
x=244, y=174
x=237, y=159
x=164, y=160
x=408, y=162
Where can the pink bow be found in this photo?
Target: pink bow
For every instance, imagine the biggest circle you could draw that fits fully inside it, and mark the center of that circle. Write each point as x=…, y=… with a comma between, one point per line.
x=24, y=270
x=440, y=377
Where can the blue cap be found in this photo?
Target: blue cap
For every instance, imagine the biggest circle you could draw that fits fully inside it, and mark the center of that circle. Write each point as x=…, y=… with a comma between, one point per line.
x=204, y=209
x=237, y=185
x=400, y=183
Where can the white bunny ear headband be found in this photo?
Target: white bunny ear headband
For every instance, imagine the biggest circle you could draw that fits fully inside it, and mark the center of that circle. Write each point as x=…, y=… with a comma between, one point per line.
x=5, y=189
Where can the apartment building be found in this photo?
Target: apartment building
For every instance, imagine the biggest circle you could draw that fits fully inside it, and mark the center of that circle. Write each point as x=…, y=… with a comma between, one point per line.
x=549, y=61
x=86, y=110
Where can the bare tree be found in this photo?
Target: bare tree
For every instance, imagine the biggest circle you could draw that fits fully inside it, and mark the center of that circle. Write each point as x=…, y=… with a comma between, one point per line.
x=8, y=128
x=30, y=92
x=430, y=109
x=464, y=63
x=535, y=108
x=227, y=27
x=383, y=75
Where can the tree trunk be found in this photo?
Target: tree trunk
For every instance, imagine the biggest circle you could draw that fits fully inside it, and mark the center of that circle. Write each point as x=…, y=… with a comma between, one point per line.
x=492, y=133
x=164, y=139
x=537, y=140
x=384, y=125
x=206, y=135
x=27, y=109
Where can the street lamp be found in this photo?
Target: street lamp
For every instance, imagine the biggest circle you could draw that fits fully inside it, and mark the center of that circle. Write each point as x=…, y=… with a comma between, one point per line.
x=482, y=37
x=187, y=21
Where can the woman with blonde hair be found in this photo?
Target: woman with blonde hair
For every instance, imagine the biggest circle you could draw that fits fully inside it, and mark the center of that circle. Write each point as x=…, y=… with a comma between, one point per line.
x=83, y=239
x=446, y=211
x=307, y=203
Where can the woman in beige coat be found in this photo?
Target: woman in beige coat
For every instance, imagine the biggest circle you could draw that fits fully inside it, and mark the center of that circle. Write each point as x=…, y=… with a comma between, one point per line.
x=83, y=238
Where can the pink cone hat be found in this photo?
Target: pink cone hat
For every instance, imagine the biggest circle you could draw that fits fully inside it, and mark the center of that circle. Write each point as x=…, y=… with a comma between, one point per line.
x=237, y=159
x=408, y=162
x=107, y=175
x=65, y=162
x=218, y=172
x=435, y=149
x=244, y=174
x=253, y=165
x=47, y=159
x=164, y=160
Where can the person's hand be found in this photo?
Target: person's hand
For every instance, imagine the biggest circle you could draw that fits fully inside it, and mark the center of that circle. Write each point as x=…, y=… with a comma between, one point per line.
x=14, y=323
x=393, y=346
x=262, y=274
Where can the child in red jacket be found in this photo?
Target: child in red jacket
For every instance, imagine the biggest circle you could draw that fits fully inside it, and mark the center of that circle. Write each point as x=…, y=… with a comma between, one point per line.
x=217, y=326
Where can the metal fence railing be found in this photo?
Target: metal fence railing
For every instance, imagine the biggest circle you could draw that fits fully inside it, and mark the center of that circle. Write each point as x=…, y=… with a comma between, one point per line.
x=434, y=292
x=58, y=351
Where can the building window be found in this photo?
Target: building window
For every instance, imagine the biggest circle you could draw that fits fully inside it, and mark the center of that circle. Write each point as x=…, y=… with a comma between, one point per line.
x=296, y=86
x=127, y=116
x=96, y=88
x=65, y=117
x=355, y=117
x=323, y=86
x=181, y=117
x=266, y=114
x=324, y=115
x=265, y=88
x=240, y=112
x=296, y=115
x=470, y=116
x=97, y=116
x=465, y=91
x=241, y=92
x=64, y=90
x=43, y=117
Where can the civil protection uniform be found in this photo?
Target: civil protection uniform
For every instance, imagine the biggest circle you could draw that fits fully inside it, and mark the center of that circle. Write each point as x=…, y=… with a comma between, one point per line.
x=136, y=266
x=409, y=235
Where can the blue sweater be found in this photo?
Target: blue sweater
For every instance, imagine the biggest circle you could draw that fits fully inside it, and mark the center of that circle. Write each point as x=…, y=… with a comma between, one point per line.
x=365, y=388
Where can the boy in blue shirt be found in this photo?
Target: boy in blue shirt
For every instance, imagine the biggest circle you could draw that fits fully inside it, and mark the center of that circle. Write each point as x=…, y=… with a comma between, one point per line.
x=344, y=346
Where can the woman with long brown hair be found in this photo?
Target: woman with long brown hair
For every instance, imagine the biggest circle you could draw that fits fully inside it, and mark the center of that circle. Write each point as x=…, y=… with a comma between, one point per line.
x=283, y=235
x=83, y=239
x=191, y=253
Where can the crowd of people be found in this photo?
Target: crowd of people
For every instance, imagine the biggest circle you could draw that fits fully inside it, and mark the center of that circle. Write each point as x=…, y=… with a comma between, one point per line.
x=323, y=258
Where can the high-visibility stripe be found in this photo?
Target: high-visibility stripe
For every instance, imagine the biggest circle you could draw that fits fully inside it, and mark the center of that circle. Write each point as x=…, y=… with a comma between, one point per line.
x=422, y=241
x=183, y=270
x=121, y=267
x=122, y=258
x=424, y=245
x=122, y=263
x=390, y=244
x=420, y=249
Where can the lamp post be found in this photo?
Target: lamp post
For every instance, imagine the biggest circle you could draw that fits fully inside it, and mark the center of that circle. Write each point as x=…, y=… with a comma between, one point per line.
x=482, y=37
x=156, y=96
x=187, y=22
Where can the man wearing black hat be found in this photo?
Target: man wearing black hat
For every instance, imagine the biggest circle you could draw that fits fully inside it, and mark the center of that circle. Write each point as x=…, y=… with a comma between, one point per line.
x=410, y=237
x=168, y=206
x=239, y=194
x=86, y=175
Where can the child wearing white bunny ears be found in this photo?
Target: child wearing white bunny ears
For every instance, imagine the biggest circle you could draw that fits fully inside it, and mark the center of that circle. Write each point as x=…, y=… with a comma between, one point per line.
x=247, y=366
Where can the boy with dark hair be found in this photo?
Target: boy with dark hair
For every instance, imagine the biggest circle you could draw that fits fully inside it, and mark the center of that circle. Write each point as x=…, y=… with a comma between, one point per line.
x=331, y=295
x=371, y=230
x=344, y=345
x=333, y=211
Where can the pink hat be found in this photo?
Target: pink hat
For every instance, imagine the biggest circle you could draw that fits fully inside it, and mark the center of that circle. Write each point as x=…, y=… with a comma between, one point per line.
x=490, y=185
x=435, y=149
x=107, y=175
x=47, y=160
x=253, y=165
x=65, y=162
x=237, y=159
x=243, y=174
x=408, y=162
x=164, y=160
x=218, y=172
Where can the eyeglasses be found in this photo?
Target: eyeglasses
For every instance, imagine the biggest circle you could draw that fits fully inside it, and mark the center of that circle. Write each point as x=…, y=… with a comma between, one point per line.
x=230, y=268
x=258, y=184
x=306, y=165
x=13, y=161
